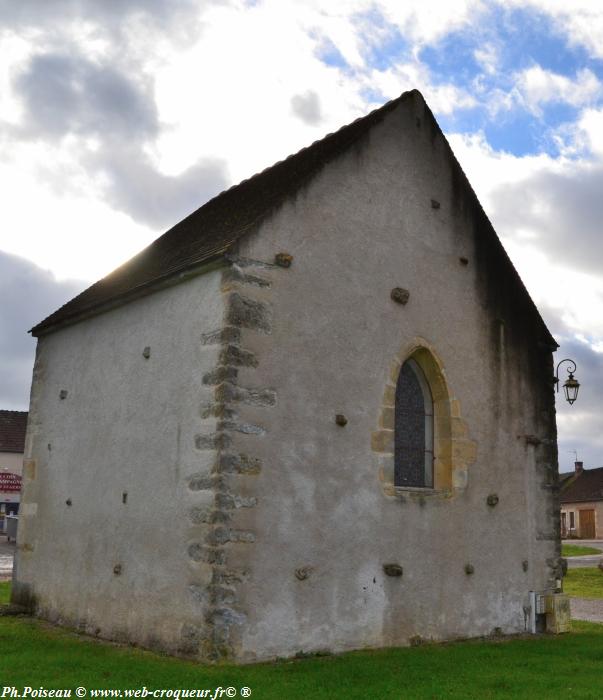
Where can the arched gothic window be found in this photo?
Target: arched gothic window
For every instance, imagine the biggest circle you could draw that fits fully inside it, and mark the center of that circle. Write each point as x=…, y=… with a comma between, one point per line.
x=413, y=457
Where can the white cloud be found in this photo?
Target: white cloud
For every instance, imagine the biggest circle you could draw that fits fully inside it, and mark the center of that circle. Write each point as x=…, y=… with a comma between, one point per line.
x=488, y=57
x=589, y=131
x=537, y=86
x=425, y=21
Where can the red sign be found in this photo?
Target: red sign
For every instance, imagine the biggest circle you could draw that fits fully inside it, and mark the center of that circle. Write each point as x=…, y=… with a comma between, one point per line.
x=10, y=483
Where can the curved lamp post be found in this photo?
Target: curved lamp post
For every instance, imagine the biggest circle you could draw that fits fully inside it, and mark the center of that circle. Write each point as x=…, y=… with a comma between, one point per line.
x=571, y=385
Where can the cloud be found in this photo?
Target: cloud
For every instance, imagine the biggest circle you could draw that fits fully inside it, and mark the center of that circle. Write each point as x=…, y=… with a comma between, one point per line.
x=134, y=185
x=537, y=86
x=115, y=116
x=561, y=211
x=110, y=15
x=579, y=425
x=581, y=20
x=66, y=93
x=307, y=107
x=29, y=294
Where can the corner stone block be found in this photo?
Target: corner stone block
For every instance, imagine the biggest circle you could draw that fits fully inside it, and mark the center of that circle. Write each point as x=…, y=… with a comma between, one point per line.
x=455, y=409
x=458, y=428
x=382, y=441
x=215, y=441
x=464, y=451
x=29, y=469
x=389, y=395
x=386, y=468
x=388, y=417
x=249, y=313
x=459, y=478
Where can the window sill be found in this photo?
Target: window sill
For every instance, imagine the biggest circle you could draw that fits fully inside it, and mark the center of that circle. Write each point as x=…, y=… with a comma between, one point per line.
x=419, y=494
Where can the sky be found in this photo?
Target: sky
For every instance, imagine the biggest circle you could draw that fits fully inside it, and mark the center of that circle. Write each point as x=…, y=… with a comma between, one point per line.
x=120, y=117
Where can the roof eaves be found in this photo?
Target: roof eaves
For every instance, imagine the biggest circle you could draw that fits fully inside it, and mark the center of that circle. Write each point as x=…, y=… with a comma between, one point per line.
x=168, y=279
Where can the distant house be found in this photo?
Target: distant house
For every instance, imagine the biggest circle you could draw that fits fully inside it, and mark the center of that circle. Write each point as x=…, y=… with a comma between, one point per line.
x=12, y=444
x=582, y=503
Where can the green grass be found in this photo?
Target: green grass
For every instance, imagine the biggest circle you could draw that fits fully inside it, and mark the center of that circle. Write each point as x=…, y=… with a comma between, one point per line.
x=584, y=582
x=4, y=592
x=575, y=550
x=37, y=654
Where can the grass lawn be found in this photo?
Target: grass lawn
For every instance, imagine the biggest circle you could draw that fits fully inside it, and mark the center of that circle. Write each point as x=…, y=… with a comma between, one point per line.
x=575, y=550
x=584, y=582
x=4, y=592
x=36, y=654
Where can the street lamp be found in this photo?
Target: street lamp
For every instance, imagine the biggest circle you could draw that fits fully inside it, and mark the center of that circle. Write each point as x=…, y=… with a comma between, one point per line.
x=571, y=385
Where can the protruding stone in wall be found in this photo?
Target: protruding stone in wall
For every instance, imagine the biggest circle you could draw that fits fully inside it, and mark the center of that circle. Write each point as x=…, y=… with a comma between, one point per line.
x=303, y=572
x=283, y=259
x=392, y=570
x=399, y=295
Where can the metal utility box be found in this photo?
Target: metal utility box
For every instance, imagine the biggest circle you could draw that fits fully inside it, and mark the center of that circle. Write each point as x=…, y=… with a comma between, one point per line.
x=558, y=614
x=11, y=527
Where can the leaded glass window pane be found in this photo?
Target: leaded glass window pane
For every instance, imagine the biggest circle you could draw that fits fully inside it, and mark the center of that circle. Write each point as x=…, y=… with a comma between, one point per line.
x=413, y=459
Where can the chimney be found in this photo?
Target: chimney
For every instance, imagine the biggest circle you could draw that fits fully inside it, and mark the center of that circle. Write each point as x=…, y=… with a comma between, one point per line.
x=579, y=467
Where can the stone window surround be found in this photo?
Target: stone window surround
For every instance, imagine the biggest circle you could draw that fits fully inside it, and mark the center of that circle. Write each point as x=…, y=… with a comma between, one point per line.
x=454, y=452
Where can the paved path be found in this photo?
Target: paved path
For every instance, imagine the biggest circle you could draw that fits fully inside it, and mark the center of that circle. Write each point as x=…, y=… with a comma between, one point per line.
x=585, y=609
x=7, y=552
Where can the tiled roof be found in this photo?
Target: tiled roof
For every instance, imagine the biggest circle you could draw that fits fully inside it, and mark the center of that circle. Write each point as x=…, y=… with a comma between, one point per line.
x=12, y=431
x=209, y=231
x=587, y=486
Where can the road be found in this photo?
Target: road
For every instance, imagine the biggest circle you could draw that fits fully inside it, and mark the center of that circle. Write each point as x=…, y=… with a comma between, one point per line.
x=7, y=552
x=589, y=560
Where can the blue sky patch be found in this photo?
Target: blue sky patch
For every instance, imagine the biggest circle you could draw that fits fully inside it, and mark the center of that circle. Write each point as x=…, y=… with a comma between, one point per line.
x=383, y=45
x=329, y=53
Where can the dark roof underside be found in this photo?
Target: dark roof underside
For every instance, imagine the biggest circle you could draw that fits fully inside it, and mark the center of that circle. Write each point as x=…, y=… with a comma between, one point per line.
x=13, y=425
x=587, y=486
x=210, y=230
